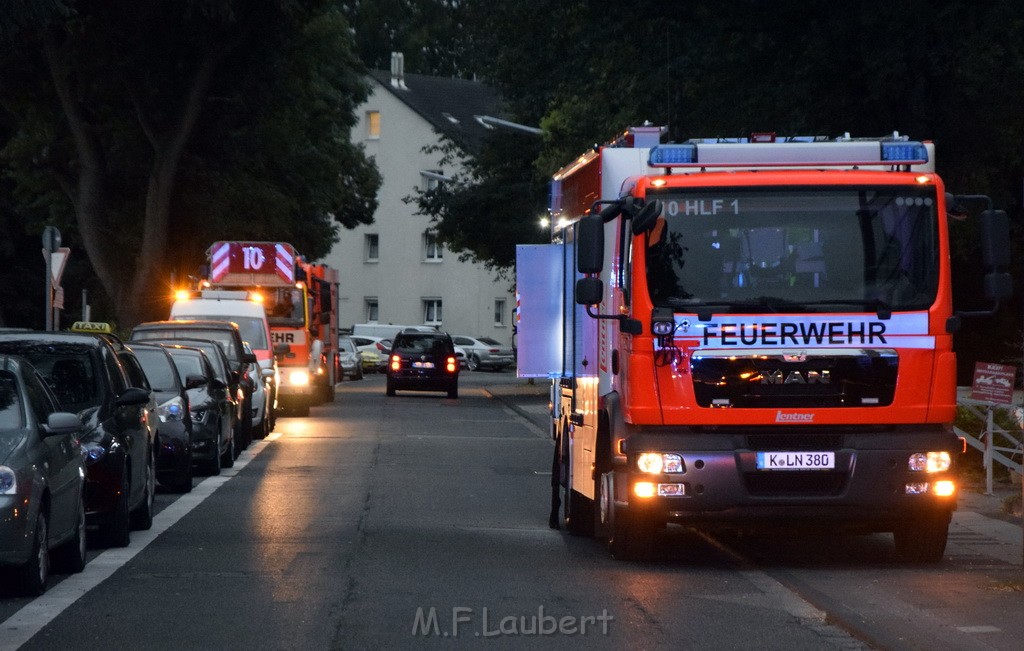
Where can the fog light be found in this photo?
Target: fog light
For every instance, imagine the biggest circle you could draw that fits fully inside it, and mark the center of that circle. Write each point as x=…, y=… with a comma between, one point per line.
x=643, y=489
x=671, y=490
x=944, y=488
x=917, y=488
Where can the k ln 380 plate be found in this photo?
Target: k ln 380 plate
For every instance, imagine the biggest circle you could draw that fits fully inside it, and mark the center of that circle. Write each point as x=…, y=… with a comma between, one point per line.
x=796, y=460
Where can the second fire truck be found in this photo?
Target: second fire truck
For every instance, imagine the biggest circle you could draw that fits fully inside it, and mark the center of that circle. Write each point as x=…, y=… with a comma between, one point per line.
x=752, y=334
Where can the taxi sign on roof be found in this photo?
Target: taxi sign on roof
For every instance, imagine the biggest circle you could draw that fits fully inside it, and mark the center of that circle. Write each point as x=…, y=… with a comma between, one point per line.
x=92, y=327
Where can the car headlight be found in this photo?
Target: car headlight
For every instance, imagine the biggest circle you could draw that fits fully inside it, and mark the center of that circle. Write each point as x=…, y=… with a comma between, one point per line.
x=299, y=378
x=655, y=463
x=93, y=452
x=172, y=410
x=8, y=481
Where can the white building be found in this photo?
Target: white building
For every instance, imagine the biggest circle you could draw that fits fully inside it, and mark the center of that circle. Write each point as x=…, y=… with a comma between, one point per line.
x=393, y=271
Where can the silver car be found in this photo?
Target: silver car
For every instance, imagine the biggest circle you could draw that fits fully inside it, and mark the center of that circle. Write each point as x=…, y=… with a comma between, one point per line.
x=484, y=352
x=349, y=359
x=40, y=455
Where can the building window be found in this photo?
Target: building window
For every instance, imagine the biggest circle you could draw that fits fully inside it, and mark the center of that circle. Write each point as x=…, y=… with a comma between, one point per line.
x=371, y=310
x=499, y=312
x=372, y=245
x=432, y=249
x=432, y=311
x=373, y=125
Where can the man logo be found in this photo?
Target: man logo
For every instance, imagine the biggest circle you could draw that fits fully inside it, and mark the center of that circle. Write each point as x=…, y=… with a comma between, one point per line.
x=796, y=377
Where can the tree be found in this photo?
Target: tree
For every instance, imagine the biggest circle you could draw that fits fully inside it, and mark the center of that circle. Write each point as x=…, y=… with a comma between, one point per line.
x=157, y=127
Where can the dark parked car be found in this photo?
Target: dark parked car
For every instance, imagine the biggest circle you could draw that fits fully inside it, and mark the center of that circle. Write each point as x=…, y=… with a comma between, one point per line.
x=173, y=417
x=423, y=361
x=42, y=507
x=87, y=377
x=229, y=337
x=213, y=412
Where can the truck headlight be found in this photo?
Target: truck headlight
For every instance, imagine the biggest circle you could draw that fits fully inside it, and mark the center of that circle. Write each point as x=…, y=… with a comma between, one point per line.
x=930, y=461
x=299, y=378
x=655, y=463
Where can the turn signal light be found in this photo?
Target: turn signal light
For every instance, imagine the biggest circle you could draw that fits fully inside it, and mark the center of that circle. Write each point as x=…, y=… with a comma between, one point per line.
x=451, y=365
x=396, y=362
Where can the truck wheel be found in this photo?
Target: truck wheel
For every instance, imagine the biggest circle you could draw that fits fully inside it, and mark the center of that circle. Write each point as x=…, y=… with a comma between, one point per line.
x=631, y=536
x=922, y=540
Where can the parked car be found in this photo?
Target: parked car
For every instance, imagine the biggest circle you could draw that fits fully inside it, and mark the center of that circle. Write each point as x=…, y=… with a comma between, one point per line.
x=119, y=443
x=485, y=352
x=349, y=359
x=260, y=377
x=423, y=361
x=228, y=335
x=203, y=369
x=373, y=351
x=174, y=419
x=42, y=503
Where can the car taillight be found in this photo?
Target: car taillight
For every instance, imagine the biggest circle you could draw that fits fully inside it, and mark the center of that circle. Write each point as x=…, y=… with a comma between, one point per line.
x=452, y=365
x=493, y=350
x=396, y=362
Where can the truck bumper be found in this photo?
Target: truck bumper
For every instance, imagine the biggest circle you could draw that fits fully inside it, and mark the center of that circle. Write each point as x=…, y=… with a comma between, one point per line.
x=870, y=488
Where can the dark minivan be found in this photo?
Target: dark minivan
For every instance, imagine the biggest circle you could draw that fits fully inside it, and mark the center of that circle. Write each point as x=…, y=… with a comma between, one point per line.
x=423, y=361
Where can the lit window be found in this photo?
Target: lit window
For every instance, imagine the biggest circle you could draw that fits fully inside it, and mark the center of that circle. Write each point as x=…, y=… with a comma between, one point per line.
x=372, y=247
x=432, y=311
x=373, y=125
x=371, y=309
x=499, y=312
x=432, y=249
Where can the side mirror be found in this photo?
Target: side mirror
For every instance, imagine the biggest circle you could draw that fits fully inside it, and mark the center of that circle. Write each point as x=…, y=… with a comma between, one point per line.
x=590, y=245
x=994, y=228
x=646, y=218
x=195, y=381
x=280, y=350
x=268, y=373
x=62, y=422
x=589, y=291
x=131, y=397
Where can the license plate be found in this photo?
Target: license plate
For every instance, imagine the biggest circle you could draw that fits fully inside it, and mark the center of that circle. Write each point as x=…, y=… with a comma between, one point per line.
x=796, y=460
x=423, y=364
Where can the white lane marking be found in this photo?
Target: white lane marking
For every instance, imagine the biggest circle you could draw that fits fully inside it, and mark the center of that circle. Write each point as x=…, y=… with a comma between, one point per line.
x=22, y=625
x=978, y=629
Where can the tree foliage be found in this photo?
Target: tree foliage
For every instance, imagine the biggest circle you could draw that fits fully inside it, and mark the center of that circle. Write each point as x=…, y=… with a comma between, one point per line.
x=146, y=130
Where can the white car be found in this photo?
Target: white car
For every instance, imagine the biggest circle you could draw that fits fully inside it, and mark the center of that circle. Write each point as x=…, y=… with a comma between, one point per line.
x=373, y=351
x=262, y=408
x=484, y=352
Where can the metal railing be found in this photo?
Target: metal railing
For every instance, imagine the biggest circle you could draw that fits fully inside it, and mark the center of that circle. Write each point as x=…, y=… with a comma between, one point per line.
x=996, y=444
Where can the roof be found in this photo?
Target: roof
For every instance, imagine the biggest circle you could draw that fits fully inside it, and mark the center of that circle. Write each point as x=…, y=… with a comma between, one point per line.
x=451, y=106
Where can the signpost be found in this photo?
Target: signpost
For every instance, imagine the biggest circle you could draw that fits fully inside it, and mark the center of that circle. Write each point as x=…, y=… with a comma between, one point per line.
x=56, y=257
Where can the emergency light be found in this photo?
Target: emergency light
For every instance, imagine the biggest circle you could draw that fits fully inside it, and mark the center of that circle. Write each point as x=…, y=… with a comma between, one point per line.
x=793, y=153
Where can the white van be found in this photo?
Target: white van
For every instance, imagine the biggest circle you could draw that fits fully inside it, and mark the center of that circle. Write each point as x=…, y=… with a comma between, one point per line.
x=240, y=308
x=386, y=330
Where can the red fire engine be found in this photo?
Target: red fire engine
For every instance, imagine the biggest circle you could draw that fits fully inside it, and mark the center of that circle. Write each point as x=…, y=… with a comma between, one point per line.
x=751, y=333
x=301, y=302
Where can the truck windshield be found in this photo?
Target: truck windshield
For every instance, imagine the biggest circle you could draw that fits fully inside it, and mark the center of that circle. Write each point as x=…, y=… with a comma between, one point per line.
x=286, y=307
x=795, y=249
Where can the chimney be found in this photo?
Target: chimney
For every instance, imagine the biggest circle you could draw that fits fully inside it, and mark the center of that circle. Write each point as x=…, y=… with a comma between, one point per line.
x=398, y=71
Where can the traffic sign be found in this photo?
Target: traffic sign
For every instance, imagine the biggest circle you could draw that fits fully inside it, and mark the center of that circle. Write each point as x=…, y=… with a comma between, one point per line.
x=57, y=260
x=993, y=383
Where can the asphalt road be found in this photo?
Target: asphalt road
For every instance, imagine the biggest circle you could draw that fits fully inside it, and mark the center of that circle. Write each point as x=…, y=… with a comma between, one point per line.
x=418, y=521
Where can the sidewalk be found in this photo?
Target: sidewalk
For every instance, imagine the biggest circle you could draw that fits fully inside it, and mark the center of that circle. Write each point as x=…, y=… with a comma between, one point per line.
x=978, y=515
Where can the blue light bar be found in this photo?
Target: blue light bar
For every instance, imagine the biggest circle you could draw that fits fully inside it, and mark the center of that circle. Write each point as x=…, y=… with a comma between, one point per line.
x=904, y=152
x=669, y=155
